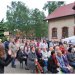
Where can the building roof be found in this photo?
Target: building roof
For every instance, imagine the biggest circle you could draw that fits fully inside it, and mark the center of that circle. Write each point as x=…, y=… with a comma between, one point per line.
x=62, y=11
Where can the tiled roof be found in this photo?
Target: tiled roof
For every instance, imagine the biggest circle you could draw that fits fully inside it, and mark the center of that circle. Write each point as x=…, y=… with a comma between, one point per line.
x=65, y=10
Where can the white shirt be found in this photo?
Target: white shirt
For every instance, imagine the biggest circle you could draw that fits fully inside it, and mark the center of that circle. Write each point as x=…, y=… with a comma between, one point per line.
x=45, y=55
x=12, y=47
x=49, y=53
x=22, y=46
x=43, y=45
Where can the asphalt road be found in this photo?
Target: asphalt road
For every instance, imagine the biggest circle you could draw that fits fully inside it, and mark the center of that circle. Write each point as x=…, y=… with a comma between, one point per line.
x=17, y=70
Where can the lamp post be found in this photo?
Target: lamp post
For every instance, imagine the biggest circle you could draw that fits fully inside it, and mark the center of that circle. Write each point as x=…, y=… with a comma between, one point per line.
x=74, y=12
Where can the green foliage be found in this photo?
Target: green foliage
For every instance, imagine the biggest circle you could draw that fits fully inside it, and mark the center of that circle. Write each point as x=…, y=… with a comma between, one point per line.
x=17, y=16
x=29, y=22
x=52, y=5
x=40, y=26
x=1, y=29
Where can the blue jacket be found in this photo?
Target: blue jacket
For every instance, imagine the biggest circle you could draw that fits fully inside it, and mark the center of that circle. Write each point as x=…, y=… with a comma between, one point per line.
x=61, y=62
x=6, y=44
x=65, y=60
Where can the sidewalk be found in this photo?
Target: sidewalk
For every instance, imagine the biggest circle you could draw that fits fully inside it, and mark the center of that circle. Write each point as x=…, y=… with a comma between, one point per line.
x=18, y=70
x=10, y=70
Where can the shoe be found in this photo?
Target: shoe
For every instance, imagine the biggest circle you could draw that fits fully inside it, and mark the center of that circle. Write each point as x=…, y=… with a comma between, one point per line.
x=32, y=71
x=42, y=72
x=26, y=68
x=14, y=66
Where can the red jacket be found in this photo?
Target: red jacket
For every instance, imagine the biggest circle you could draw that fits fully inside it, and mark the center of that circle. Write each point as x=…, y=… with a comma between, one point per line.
x=62, y=49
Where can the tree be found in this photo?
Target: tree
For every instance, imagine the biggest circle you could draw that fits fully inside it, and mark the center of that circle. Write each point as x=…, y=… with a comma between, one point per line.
x=2, y=28
x=17, y=16
x=28, y=22
x=52, y=5
x=39, y=25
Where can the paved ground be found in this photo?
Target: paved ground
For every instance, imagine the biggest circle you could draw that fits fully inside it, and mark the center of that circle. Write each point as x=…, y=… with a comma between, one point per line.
x=16, y=70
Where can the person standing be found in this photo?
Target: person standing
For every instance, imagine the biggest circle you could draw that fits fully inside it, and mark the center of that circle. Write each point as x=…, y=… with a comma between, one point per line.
x=43, y=44
x=13, y=48
x=4, y=62
x=1, y=42
x=6, y=45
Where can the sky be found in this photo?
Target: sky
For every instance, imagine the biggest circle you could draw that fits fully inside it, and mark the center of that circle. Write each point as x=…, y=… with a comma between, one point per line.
x=30, y=3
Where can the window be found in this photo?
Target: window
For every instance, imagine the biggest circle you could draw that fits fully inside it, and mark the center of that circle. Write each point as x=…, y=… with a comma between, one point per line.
x=54, y=32
x=64, y=32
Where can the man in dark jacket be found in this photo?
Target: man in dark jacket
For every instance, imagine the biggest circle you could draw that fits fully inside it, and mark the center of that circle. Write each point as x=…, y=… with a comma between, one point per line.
x=52, y=63
x=71, y=57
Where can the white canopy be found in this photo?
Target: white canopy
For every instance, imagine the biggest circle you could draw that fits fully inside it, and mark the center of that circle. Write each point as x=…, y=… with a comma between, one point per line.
x=69, y=39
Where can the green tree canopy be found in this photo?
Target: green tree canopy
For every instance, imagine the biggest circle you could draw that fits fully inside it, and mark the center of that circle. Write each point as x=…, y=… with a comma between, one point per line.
x=39, y=24
x=52, y=5
x=17, y=16
x=29, y=22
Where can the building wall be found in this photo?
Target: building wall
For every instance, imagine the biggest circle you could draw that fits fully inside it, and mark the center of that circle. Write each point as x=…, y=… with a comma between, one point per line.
x=59, y=24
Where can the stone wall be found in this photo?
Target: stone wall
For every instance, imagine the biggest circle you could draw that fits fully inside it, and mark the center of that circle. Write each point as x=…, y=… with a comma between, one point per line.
x=59, y=23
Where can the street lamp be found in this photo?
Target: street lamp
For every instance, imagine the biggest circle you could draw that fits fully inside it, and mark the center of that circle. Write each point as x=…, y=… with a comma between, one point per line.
x=74, y=12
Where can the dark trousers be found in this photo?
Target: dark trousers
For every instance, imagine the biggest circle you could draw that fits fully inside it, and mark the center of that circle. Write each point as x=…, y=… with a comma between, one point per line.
x=13, y=62
x=65, y=70
x=72, y=64
x=25, y=60
x=45, y=66
x=54, y=70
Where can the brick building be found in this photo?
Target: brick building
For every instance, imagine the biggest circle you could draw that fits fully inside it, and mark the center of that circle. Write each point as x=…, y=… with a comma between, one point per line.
x=61, y=22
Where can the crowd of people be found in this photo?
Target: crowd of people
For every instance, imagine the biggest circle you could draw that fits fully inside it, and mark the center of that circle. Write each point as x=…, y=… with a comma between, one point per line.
x=41, y=57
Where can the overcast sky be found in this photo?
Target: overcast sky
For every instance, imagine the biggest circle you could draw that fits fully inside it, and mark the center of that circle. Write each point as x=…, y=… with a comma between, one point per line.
x=30, y=3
